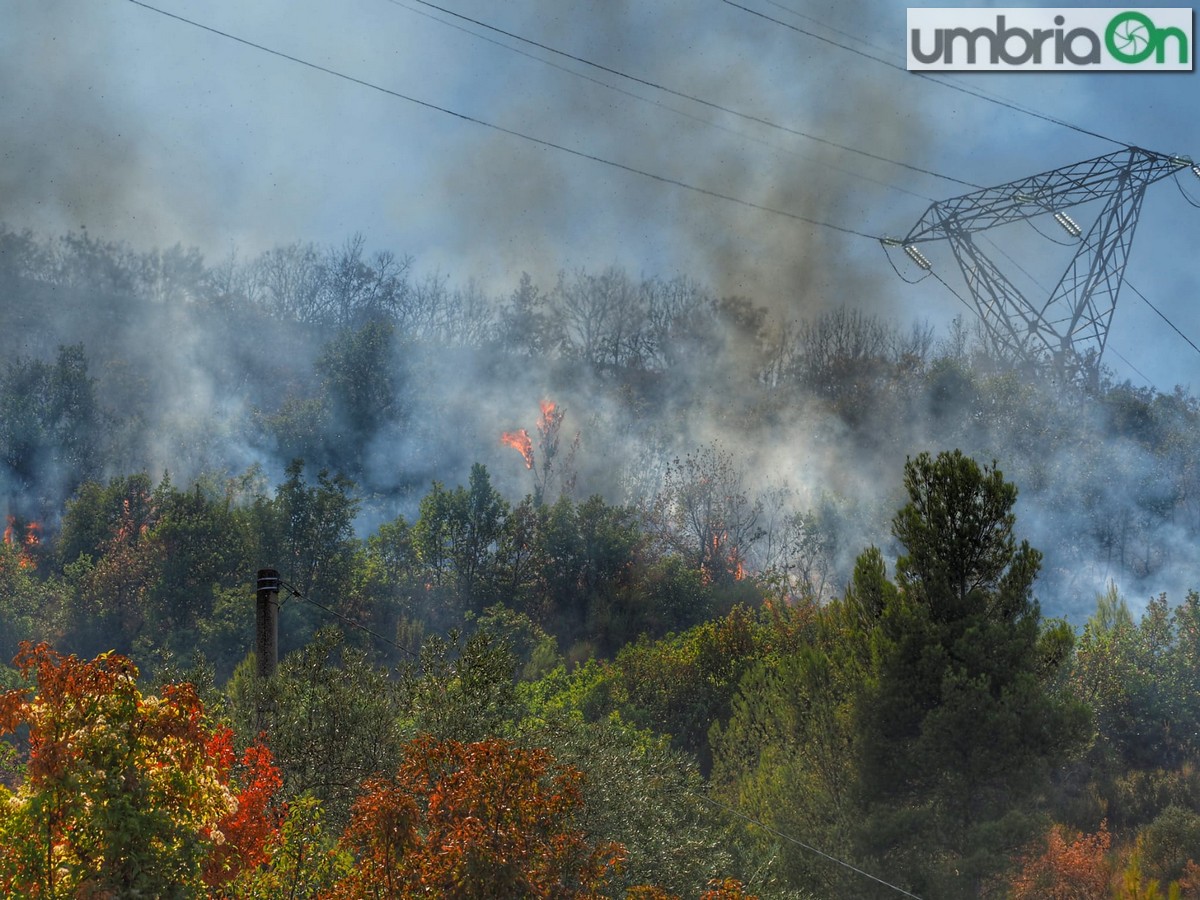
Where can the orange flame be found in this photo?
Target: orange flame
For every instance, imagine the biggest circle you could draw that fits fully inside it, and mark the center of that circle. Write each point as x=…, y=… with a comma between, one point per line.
x=32, y=539
x=519, y=440
x=725, y=557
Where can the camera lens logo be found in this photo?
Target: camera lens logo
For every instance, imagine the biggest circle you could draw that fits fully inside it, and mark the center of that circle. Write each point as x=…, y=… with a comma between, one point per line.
x=1132, y=36
x=1050, y=39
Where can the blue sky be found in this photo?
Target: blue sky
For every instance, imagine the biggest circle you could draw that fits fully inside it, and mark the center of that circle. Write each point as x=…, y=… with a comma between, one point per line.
x=149, y=130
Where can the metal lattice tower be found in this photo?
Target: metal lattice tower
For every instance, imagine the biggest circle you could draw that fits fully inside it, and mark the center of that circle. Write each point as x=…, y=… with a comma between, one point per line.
x=1068, y=330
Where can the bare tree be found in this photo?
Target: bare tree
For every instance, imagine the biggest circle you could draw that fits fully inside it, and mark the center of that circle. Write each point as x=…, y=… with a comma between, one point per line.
x=678, y=319
x=601, y=317
x=289, y=282
x=797, y=549
x=705, y=513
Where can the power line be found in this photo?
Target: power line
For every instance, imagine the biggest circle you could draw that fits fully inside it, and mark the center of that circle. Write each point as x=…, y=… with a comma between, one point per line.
x=981, y=96
x=1163, y=316
x=672, y=109
x=800, y=843
x=662, y=179
x=692, y=97
x=987, y=95
x=292, y=591
x=956, y=87
x=1119, y=356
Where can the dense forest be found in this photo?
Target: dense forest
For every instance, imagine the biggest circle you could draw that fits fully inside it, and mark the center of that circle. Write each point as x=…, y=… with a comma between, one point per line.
x=608, y=587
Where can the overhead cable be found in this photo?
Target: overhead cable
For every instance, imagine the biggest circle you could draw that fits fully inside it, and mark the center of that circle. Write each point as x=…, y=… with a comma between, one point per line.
x=658, y=103
x=794, y=840
x=948, y=84
x=294, y=592
x=686, y=96
x=663, y=179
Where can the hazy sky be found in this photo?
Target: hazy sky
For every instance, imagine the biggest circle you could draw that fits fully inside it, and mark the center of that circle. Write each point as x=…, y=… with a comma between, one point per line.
x=146, y=129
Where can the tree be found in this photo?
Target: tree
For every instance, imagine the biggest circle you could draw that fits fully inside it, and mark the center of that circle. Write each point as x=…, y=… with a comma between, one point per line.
x=674, y=838
x=457, y=538
x=334, y=719
x=302, y=862
x=307, y=531
x=524, y=321
x=705, y=513
x=50, y=425
x=601, y=318
x=917, y=725
x=1065, y=868
x=123, y=795
x=113, y=577
x=957, y=726
x=1140, y=680
x=484, y=819
x=357, y=371
x=682, y=684
x=785, y=756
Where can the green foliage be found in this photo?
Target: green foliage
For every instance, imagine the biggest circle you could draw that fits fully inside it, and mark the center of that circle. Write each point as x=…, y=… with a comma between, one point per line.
x=457, y=539
x=1140, y=680
x=332, y=718
x=535, y=651
x=679, y=685
x=1170, y=842
x=461, y=690
x=786, y=755
x=158, y=569
x=642, y=794
x=51, y=424
x=304, y=864
x=957, y=728
x=916, y=727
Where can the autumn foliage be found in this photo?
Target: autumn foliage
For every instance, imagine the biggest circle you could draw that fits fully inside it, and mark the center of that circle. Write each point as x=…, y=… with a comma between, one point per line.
x=1066, y=869
x=485, y=819
x=122, y=795
x=249, y=828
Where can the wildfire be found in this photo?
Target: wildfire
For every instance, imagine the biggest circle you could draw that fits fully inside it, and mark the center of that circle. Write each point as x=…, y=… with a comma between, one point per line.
x=520, y=441
x=724, y=558
x=542, y=448
x=33, y=537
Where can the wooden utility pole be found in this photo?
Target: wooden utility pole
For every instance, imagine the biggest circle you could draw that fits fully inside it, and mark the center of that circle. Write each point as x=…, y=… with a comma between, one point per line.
x=266, y=623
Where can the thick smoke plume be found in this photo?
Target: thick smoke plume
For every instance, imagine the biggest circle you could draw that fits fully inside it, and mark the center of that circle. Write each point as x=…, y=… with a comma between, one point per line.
x=361, y=365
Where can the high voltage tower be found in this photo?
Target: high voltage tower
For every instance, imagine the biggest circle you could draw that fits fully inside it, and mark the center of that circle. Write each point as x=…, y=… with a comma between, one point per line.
x=1067, y=331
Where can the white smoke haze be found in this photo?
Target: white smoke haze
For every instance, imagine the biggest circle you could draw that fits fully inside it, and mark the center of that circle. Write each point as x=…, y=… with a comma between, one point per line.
x=154, y=135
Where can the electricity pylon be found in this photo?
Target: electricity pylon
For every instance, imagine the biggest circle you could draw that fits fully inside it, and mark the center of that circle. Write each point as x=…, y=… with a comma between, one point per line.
x=1067, y=331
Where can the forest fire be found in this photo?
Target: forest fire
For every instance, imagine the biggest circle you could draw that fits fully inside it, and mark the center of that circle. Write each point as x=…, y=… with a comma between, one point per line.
x=520, y=441
x=723, y=559
x=33, y=537
x=551, y=469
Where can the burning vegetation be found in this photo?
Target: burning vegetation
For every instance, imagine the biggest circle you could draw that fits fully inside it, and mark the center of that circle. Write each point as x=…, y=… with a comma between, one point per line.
x=551, y=472
x=520, y=441
x=26, y=536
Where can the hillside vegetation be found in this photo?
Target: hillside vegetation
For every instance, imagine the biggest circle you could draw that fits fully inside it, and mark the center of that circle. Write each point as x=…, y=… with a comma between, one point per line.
x=601, y=588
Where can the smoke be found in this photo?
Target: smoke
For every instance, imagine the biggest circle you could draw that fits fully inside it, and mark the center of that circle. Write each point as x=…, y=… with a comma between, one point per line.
x=548, y=210
x=214, y=145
